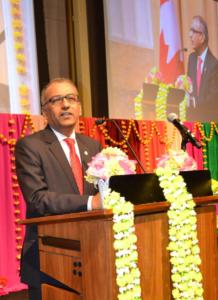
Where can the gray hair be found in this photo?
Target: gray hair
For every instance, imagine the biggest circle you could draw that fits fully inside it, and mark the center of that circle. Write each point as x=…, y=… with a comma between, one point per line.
x=203, y=27
x=55, y=80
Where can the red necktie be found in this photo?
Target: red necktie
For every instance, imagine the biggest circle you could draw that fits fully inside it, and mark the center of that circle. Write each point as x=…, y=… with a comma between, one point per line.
x=75, y=164
x=198, y=79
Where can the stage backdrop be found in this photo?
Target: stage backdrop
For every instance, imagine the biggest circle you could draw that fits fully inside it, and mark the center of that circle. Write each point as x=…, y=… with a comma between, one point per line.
x=150, y=139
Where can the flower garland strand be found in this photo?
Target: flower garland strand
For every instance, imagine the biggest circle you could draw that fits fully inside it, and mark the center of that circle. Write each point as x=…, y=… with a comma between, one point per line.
x=183, y=246
x=126, y=261
x=138, y=106
x=20, y=55
x=161, y=102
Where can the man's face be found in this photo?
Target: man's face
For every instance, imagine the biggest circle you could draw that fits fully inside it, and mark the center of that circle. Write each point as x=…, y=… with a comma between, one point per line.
x=61, y=115
x=196, y=35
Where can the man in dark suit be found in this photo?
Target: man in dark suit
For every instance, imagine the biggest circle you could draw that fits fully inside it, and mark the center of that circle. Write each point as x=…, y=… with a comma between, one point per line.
x=45, y=175
x=203, y=70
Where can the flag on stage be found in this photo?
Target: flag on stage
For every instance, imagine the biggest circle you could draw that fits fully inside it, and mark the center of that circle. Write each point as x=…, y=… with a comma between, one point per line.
x=171, y=53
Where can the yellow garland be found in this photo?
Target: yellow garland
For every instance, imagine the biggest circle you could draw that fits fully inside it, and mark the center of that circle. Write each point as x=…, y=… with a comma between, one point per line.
x=138, y=106
x=183, y=246
x=184, y=82
x=19, y=46
x=183, y=108
x=126, y=261
x=161, y=101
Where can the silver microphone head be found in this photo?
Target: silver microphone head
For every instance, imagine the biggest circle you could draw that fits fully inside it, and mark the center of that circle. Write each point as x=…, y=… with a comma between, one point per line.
x=171, y=117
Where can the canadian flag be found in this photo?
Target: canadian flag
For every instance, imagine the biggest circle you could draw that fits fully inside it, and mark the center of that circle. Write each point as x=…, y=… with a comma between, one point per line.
x=171, y=53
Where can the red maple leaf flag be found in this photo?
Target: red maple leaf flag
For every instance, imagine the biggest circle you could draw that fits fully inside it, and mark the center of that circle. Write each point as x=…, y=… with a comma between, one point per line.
x=171, y=54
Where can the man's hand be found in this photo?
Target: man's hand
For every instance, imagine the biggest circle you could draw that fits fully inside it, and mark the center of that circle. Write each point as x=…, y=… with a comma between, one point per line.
x=97, y=202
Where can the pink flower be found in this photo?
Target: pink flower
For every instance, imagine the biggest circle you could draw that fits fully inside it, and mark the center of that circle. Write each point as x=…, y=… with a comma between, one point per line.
x=110, y=161
x=186, y=162
x=126, y=166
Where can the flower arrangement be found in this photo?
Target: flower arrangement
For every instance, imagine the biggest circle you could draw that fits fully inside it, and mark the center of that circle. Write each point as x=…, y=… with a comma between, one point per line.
x=154, y=76
x=183, y=246
x=184, y=82
x=181, y=158
x=112, y=161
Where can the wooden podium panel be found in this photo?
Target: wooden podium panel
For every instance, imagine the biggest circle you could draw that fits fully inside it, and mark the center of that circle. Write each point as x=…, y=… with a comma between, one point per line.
x=50, y=293
x=206, y=222
x=89, y=261
x=77, y=250
x=152, y=234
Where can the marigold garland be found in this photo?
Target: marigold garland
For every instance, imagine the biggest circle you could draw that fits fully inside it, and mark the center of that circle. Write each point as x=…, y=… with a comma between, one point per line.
x=183, y=246
x=3, y=282
x=20, y=56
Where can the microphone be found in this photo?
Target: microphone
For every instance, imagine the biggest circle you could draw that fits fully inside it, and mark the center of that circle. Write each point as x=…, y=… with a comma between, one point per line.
x=181, y=54
x=185, y=132
x=183, y=50
x=102, y=121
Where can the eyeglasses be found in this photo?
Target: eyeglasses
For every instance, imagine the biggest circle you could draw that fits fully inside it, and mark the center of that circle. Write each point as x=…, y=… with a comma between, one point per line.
x=58, y=100
x=192, y=30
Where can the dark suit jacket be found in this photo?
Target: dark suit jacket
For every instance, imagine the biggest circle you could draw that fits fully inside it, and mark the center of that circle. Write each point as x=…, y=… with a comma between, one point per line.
x=48, y=187
x=207, y=101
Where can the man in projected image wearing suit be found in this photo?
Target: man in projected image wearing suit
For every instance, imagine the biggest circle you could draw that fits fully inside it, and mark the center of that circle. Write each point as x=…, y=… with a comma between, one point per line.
x=203, y=70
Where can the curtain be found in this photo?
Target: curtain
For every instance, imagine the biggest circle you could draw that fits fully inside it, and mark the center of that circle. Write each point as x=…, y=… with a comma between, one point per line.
x=12, y=207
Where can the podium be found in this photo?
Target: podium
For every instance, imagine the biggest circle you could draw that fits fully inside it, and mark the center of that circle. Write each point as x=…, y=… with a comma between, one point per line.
x=150, y=90
x=77, y=250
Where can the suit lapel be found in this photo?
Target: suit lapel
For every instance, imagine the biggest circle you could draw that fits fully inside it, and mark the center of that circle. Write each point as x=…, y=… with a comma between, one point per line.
x=84, y=152
x=86, y=156
x=205, y=73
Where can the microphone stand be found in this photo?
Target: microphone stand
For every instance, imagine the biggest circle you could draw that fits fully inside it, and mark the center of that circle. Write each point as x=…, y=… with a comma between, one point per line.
x=185, y=140
x=128, y=144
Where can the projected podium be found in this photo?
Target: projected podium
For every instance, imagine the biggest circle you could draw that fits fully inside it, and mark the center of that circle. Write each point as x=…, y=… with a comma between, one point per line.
x=174, y=97
x=77, y=250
